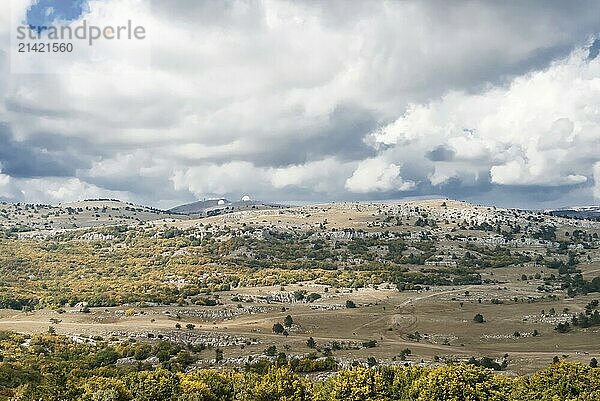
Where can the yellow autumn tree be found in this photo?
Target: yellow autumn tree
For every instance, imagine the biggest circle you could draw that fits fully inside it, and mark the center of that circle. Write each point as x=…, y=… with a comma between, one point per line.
x=461, y=383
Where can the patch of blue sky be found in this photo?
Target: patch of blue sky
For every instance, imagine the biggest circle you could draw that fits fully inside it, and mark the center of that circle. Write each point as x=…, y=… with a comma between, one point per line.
x=44, y=13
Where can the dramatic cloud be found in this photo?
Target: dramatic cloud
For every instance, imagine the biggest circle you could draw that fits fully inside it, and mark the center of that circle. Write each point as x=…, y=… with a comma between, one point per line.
x=490, y=101
x=374, y=175
x=540, y=130
x=323, y=177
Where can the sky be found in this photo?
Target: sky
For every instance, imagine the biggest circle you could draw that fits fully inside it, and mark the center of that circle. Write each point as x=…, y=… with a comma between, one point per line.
x=489, y=102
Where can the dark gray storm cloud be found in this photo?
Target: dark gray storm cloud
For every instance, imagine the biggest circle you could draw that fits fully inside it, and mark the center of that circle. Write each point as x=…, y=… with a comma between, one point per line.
x=46, y=156
x=341, y=134
x=594, y=49
x=440, y=153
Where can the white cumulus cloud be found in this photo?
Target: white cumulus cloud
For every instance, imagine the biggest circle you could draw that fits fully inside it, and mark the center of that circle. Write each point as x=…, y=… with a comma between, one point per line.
x=377, y=175
x=543, y=129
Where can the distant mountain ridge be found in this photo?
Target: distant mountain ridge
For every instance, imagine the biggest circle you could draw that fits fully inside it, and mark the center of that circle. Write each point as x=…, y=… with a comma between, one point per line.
x=213, y=207
x=577, y=212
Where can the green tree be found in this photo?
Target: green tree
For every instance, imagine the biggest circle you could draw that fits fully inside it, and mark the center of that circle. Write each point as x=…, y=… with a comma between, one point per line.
x=219, y=355
x=271, y=351
x=107, y=356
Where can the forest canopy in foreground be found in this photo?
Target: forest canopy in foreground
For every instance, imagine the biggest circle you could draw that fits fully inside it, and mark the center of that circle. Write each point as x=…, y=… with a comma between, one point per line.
x=56, y=369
